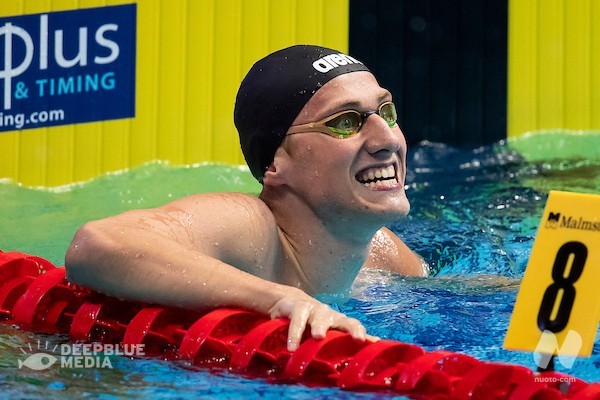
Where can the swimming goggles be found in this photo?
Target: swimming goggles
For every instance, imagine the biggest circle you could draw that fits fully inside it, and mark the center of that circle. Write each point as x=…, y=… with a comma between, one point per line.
x=347, y=123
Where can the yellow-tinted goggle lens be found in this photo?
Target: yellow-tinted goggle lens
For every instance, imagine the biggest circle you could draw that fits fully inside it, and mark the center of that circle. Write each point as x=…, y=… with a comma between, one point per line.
x=345, y=125
x=348, y=124
x=387, y=111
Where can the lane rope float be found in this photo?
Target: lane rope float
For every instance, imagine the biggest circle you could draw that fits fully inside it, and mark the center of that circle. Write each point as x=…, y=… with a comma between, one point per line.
x=35, y=295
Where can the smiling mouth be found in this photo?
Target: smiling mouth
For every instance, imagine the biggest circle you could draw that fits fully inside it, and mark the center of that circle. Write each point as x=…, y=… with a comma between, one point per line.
x=375, y=178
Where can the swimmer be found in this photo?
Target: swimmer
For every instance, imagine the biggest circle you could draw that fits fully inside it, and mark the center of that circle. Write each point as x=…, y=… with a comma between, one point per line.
x=321, y=135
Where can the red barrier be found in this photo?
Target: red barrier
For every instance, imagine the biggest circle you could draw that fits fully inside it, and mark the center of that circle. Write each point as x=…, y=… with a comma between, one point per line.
x=36, y=295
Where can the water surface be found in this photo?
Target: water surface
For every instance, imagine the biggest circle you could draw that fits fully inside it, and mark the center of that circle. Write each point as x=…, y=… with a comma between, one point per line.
x=474, y=216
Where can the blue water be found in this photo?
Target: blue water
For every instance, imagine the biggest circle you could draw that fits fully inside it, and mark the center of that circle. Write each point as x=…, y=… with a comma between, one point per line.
x=474, y=217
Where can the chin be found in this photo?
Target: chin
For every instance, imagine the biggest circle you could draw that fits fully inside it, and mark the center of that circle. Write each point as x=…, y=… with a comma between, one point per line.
x=401, y=211
x=396, y=209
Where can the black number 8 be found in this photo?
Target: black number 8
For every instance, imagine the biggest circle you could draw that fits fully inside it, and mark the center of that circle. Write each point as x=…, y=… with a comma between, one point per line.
x=579, y=252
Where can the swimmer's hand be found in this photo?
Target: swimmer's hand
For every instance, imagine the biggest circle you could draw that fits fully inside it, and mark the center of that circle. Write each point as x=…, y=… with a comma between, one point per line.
x=303, y=310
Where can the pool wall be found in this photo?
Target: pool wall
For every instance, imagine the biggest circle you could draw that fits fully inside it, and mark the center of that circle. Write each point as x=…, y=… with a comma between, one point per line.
x=553, y=65
x=189, y=57
x=175, y=75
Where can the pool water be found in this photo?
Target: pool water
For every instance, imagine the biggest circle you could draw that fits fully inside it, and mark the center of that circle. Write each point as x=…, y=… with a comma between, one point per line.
x=474, y=217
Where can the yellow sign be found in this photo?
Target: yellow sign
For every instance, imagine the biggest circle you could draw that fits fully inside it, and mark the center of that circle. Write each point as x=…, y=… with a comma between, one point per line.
x=558, y=304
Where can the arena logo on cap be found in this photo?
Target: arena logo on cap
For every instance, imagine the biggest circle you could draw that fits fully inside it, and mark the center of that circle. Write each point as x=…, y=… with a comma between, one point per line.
x=67, y=67
x=327, y=63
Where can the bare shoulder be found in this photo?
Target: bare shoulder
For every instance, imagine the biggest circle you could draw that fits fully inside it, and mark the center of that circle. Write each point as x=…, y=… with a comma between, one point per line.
x=236, y=228
x=222, y=207
x=389, y=252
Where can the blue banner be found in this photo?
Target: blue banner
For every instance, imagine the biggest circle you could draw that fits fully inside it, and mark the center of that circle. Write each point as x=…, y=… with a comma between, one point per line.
x=67, y=67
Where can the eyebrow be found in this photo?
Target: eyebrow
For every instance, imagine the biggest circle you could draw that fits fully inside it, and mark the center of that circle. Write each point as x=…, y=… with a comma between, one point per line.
x=355, y=105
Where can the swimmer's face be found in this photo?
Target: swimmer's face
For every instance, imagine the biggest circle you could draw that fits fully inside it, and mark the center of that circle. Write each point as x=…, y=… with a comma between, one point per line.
x=363, y=173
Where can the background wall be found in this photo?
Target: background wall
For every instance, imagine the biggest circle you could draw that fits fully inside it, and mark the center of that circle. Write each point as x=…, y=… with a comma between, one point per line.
x=553, y=65
x=465, y=72
x=191, y=57
x=445, y=62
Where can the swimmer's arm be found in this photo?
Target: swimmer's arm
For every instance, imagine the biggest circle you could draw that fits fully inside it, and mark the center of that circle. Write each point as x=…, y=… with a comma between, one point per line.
x=119, y=257
x=134, y=257
x=389, y=252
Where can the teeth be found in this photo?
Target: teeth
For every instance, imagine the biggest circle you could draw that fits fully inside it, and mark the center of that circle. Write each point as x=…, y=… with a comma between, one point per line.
x=384, y=183
x=379, y=174
x=376, y=177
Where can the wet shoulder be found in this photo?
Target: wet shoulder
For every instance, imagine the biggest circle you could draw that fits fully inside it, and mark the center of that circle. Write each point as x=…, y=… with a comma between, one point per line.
x=232, y=205
x=228, y=212
x=236, y=228
x=390, y=253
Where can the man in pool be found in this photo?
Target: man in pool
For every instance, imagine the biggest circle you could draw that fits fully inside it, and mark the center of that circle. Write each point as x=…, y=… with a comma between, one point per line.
x=321, y=136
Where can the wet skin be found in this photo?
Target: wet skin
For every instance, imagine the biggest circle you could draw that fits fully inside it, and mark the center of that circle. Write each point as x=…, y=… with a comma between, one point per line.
x=314, y=225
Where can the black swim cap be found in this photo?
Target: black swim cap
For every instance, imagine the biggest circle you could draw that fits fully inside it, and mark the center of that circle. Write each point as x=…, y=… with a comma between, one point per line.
x=274, y=92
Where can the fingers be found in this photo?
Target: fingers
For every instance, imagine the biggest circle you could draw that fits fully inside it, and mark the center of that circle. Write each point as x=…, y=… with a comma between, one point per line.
x=298, y=314
x=298, y=322
x=325, y=318
x=320, y=317
x=353, y=327
x=373, y=339
x=321, y=320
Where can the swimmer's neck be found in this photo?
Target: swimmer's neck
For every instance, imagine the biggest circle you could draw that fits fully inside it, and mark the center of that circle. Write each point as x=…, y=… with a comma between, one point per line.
x=320, y=256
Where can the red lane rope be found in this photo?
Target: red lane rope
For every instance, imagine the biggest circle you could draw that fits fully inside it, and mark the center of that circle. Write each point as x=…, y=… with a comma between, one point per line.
x=35, y=295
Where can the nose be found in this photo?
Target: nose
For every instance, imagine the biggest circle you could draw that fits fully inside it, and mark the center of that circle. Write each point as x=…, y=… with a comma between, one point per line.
x=381, y=139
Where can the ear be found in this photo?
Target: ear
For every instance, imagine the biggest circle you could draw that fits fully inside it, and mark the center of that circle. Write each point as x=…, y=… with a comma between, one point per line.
x=275, y=175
